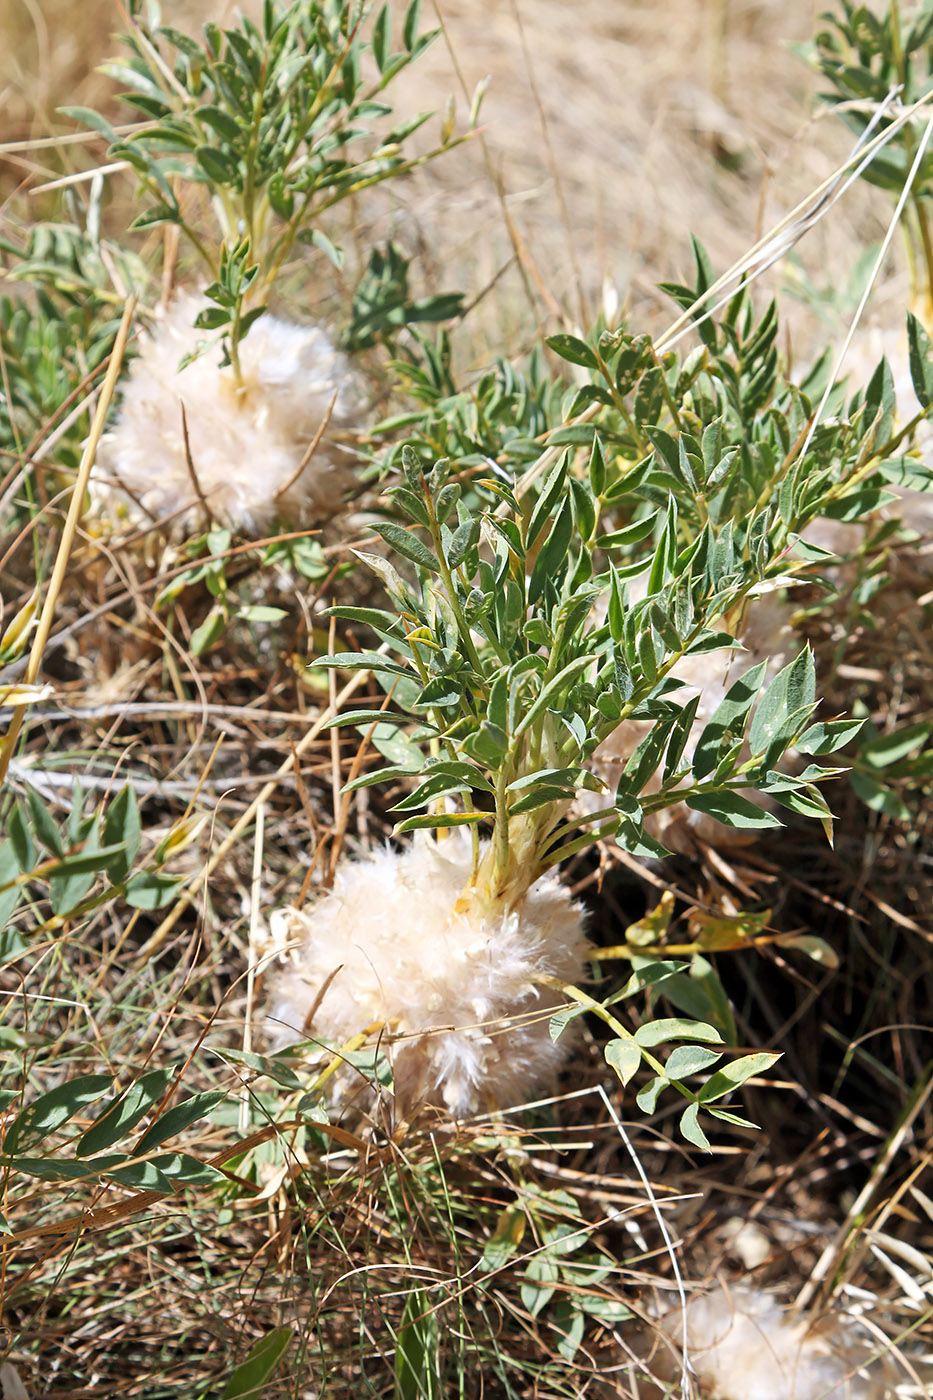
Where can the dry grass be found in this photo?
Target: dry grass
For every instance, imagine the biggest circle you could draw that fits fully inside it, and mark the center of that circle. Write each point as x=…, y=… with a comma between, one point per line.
x=660, y=118
x=609, y=132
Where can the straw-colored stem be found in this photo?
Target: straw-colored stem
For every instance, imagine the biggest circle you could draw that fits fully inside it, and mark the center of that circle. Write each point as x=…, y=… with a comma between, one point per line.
x=254, y=939
x=75, y=509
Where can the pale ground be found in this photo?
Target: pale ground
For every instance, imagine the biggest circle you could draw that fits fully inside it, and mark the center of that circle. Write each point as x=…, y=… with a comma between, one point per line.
x=619, y=127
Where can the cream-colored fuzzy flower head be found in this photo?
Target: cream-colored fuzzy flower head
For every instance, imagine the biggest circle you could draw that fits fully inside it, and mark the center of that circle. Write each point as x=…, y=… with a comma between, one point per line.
x=460, y=994
x=743, y=1346
x=766, y=635
x=247, y=442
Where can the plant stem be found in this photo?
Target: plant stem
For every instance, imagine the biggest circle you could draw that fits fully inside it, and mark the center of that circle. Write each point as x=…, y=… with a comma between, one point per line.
x=75, y=509
x=450, y=587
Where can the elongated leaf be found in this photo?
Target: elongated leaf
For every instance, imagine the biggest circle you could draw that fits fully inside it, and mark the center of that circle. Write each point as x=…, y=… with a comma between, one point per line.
x=649, y=972
x=807, y=801
x=574, y=350
x=570, y=1323
x=439, y=819
x=732, y=809
x=395, y=745
x=659, y=1032
x=543, y=796
x=553, y=553
x=436, y=786
x=783, y=705
x=86, y=116
x=360, y=661
x=550, y=493
x=53, y=1110
x=417, y=1356
x=250, y=1377
x=43, y=824
x=888, y=749
x=464, y=538
x=551, y=691
x=176, y=1119
x=276, y=1068
x=647, y=1098
x=49, y=1168
x=879, y=797
x=541, y=1276
x=217, y=165
x=503, y=1243
x=828, y=736
x=381, y=38
x=22, y=842
x=407, y=544
x=733, y=1075
x=382, y=775
x=727, y=720
x=122, y=1117
x=920, y=355
x=690, y=1059
x=816, y=948
x=73, y=877
x=597, y=468
x=122, y=827
x=628, y=534
x=9, y=899
x=700, y=994
x=208, y=632
x=221, y=122
x=166, y=1172
x=150, y=890
x=361, y=718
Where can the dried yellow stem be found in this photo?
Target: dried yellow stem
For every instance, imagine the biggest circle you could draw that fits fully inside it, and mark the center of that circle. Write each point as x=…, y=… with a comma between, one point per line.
x=68, y=534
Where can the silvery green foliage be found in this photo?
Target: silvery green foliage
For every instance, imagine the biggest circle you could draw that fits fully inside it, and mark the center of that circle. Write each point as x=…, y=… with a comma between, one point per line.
x=877, y=64
x=55, y=339
x=278, y=121
x=530, y=615
x=79, y=865
x=864, y=55
x=41, y=1144
x=505, y=661
x=383, y=304
x=516, y=646
x=501, y=417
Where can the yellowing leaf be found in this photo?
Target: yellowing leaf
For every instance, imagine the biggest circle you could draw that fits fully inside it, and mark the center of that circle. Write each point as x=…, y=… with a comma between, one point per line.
x=816, y=948
x=25, y=694
x=652, y=928
x=712, y=933
x=14, y=638
x=180, y=836
x=505, y=1239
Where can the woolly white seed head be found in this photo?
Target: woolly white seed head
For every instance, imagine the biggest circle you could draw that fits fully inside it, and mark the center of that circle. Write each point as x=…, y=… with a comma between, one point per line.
x=766, y=635
x=743, y=1346
x=246, y=443
x=446, y=982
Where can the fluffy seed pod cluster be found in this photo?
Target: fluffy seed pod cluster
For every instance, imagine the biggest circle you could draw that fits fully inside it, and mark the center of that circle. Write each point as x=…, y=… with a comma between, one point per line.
x=458, y=990
x=194, y=444
x=743, y=1346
